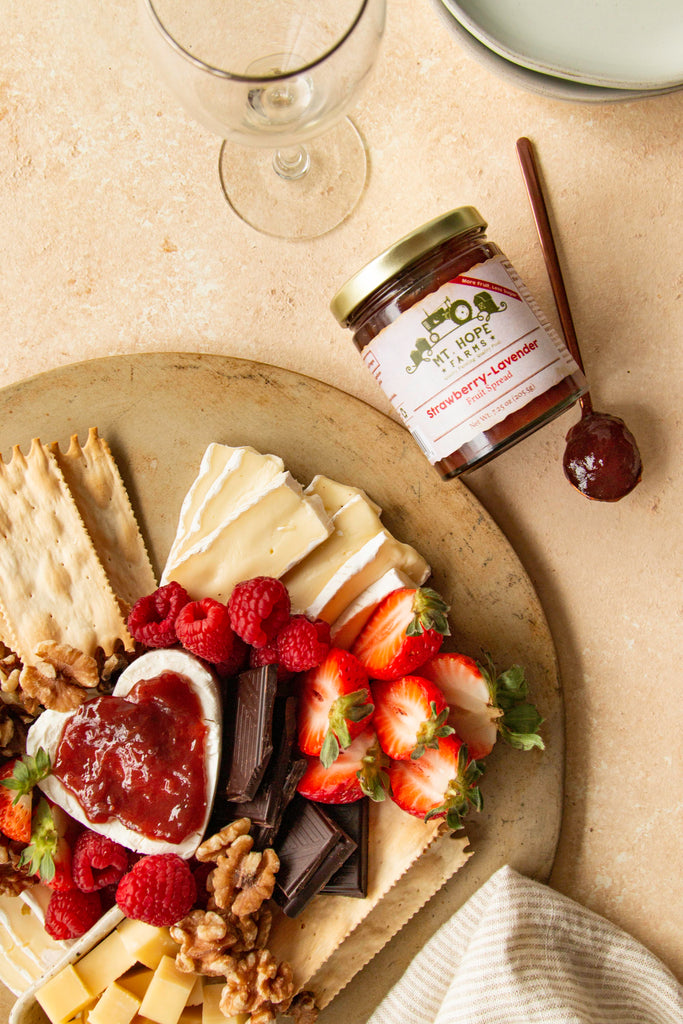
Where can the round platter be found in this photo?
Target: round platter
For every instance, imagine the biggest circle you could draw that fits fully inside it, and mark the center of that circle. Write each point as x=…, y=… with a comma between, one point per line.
x=159, y=411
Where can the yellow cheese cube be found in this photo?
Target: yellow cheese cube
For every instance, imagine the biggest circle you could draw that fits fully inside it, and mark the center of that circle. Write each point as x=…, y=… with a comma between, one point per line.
x=211, y=1012
x=64, y=996
x=192, y=1015
x=105, y=962
x=196, y=996
x=166, y=997
x=137, y=980
x=147, y=943
x=116, y=1006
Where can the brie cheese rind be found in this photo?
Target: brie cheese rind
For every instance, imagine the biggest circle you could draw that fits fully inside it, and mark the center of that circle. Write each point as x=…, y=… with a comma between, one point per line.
x=47, y=730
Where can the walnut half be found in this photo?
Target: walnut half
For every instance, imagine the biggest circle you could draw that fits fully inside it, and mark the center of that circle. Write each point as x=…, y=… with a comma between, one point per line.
x=62, y=677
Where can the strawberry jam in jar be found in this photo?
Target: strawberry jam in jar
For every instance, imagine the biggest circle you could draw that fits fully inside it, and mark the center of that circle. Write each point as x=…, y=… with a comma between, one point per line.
x=457, y=343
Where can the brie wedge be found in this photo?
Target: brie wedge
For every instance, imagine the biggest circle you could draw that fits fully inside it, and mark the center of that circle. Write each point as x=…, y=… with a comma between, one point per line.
x=358, y=553
x=266, y=537
x=47, y=730
x=228, y=480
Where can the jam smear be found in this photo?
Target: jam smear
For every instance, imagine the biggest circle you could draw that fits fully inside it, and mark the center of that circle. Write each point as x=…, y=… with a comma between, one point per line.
x=139, y=759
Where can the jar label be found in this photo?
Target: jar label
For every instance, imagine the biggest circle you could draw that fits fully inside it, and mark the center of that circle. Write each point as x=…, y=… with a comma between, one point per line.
x=466, y=356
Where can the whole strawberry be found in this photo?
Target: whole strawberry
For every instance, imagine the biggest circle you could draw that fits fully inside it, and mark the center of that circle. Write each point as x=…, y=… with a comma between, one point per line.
x=439, y=784
x=159, y=890
x=152, y=619
x=405, y=630
x=203, y=628
x=259, y=608
x=17, y=779
x=334, y=705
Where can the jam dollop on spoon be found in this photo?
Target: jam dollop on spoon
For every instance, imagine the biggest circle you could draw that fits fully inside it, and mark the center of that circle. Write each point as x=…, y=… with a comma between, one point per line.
x=601, y=459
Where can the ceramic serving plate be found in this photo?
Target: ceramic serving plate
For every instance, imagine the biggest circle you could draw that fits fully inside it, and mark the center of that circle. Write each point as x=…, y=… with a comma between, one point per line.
x=623, y=45
x=159, y=411
x=535, y=81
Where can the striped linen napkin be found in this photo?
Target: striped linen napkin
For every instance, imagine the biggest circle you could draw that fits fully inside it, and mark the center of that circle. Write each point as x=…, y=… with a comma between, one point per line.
x=519, y=953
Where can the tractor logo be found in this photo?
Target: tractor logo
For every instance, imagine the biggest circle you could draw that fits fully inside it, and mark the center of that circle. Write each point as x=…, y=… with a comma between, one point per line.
x=448, y=318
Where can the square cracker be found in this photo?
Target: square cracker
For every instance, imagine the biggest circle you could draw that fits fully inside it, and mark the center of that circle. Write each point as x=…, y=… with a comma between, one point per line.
x=52, y=584
x=101, y=498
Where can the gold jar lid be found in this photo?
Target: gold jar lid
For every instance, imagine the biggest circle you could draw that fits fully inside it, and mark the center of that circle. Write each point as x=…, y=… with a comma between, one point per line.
x=404, y=252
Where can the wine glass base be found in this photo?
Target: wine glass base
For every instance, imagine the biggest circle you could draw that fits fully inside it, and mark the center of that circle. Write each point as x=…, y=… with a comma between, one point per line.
x=305, y=207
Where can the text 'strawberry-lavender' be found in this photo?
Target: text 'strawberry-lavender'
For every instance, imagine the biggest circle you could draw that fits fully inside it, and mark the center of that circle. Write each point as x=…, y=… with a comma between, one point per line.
x=303, y=644
x=259, y=608
x=97, y=861
x=159, y=890
x=70, y=914
x=152, y=619
x=204, y=629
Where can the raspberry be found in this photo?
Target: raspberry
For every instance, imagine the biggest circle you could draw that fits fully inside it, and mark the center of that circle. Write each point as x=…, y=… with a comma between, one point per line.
x=152, y=619
x=159, y=890
x=303, y=644
x=237, y=660
x=268, y=655
x=97, y=861
x=70, y=914
x=259, y=608
x=203, y=627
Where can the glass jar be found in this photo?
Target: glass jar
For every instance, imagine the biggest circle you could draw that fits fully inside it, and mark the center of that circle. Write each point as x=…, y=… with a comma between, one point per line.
x=457, y=343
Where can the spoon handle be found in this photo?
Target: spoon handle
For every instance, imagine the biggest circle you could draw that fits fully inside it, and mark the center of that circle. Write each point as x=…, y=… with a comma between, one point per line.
x=532, y=180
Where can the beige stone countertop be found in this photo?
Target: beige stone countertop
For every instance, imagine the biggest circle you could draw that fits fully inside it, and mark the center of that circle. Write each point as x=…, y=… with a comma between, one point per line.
x=116, y=238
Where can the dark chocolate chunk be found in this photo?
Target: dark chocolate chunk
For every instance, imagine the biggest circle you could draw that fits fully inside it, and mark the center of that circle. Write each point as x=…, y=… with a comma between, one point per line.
x=312, y=848
x=266, y=808
x=352, y=877
x=252, y=741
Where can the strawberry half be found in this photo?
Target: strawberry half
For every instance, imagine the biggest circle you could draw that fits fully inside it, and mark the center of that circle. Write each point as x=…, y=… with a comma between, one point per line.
x=483, y=704
x=405, y=630
x=18, y=777
x=49, y=853
x=410, y=716
x=358, y=771
x=333, y=705
x=439, y=784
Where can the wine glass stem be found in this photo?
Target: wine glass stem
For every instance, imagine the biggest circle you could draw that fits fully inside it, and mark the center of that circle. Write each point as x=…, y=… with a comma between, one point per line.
x=291, y=163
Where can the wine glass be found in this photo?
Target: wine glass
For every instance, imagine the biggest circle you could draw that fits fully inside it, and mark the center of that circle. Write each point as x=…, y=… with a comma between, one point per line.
x=274, y=78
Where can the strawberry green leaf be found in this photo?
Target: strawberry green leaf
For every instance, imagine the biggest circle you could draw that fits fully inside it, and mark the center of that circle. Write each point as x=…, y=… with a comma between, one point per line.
x=520, y=721
x=39, y=854
x=519, y=726
x=430, y=611
x=330, y=749
x=28, y=771
x=430, y=732
x=352, y=707
x=373, y=777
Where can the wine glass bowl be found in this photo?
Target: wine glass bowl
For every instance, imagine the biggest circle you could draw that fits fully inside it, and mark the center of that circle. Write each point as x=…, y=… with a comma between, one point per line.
x=274, y=79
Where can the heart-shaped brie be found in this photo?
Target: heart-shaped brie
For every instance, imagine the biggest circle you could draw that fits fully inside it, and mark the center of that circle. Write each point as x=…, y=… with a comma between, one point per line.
x=49, y=730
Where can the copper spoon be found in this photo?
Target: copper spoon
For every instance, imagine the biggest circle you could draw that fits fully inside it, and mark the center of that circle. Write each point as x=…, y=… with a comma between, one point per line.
x=601, y=458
